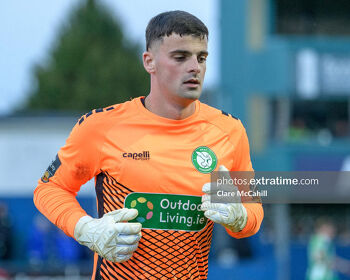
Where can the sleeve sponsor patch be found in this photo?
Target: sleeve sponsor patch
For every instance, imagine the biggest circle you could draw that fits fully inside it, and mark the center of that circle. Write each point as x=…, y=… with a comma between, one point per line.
x=51, y=170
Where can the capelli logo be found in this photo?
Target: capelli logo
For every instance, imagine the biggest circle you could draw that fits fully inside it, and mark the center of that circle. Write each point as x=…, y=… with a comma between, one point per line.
x=138, y=156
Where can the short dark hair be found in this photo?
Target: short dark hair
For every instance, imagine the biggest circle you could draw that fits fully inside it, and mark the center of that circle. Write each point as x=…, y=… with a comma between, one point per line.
x=178, y=22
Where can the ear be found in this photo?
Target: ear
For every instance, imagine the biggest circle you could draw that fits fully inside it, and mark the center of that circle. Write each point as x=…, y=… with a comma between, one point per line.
x=148, y=62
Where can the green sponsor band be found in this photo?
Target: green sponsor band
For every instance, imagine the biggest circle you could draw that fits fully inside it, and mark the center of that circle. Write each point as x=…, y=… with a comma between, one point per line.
x=167, y=211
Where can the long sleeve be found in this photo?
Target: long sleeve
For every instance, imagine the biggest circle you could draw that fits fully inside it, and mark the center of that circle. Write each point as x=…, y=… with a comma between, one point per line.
x=254, y=209
x=59, y=206
x=76, y=163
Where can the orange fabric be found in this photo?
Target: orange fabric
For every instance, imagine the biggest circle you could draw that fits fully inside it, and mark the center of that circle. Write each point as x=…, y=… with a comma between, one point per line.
x=98, y=147
x=59, y=206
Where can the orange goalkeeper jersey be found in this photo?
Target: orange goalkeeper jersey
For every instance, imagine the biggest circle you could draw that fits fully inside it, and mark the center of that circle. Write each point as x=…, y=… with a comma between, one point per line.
x=158, y=166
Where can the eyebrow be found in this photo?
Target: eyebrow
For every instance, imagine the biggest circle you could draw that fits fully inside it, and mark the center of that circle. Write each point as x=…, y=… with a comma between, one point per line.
x=184, y=52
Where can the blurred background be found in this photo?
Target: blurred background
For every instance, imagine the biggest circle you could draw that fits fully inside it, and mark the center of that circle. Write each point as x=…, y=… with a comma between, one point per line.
x=282, y=67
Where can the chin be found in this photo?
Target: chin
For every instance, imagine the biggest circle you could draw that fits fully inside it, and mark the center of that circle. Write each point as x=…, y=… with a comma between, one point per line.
x=193, y=94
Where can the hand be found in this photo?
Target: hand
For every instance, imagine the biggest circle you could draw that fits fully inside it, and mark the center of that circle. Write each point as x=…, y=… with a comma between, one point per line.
x=231, y=215
x=109, y=236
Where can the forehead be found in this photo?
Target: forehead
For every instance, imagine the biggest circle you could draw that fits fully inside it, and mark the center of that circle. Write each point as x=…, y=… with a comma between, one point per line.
x=186, y=43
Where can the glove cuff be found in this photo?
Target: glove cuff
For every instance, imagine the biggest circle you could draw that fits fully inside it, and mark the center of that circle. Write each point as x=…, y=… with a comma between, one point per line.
x=78, y=230
x=239, y=223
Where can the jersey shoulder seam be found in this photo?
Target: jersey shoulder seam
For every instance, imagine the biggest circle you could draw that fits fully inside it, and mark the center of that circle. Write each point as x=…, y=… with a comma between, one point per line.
x=95, y=111
x=226, y=117
x=223, y=130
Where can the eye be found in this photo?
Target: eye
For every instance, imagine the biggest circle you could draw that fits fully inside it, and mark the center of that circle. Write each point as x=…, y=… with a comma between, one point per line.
x=202, y=59
x=179, y=57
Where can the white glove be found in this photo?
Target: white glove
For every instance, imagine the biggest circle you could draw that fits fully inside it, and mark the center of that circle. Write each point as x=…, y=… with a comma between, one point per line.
x=231, y=215
x=109, y=236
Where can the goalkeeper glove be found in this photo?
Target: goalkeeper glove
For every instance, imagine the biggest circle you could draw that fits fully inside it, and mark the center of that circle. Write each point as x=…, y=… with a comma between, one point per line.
x=108, y=236
x=232, y=216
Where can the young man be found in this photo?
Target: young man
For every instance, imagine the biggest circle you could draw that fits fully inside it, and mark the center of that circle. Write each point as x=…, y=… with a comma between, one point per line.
x=150, y=158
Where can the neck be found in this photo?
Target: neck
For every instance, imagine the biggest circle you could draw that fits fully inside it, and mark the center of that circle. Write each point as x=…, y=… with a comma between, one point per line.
x=169, y=109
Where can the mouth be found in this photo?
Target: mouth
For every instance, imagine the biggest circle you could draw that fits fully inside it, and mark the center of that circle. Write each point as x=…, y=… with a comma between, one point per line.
x=192, y=82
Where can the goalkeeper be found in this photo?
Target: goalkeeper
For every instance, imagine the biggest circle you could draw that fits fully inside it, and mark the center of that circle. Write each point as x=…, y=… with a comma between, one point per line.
x=146, y=156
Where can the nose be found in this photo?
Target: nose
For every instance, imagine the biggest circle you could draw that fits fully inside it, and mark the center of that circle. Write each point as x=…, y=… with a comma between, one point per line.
x=194, y=66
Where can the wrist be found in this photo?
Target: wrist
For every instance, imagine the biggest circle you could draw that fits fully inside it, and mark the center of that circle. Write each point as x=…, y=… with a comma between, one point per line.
x=240, y=218
x=78, y=230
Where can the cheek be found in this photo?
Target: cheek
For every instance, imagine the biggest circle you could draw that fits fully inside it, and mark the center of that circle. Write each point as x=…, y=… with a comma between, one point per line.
x=204, y=68
x=170, y=73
